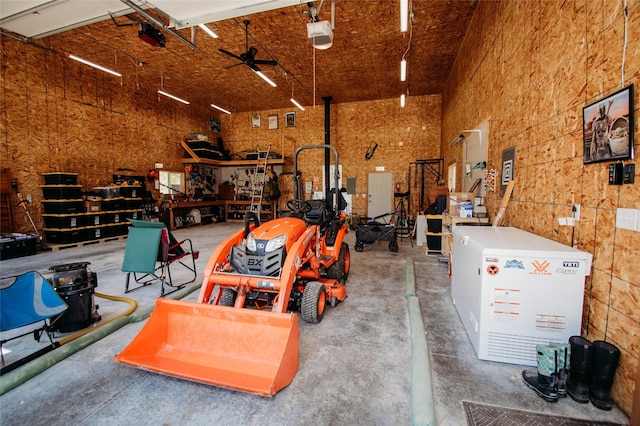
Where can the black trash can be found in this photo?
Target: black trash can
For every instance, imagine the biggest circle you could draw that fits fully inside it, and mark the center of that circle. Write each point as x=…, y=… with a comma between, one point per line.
x=75, y=284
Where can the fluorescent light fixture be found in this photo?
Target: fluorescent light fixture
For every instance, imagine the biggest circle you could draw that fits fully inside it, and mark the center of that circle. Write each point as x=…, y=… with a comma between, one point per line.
x=175, y=98
x=404, y=16
x=296, y=103
x=91, y=64
x=402, y=99
x=403, y=70
x=208, y=30
x=265, y=78
x=220, y=109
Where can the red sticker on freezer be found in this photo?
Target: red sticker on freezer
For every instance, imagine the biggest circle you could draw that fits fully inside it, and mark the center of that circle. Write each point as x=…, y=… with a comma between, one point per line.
x=493, y=269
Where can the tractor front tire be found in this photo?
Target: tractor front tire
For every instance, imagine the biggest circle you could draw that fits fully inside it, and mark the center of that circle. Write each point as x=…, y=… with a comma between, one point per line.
x=227, y=297
x=314, y=300
x=340, y=268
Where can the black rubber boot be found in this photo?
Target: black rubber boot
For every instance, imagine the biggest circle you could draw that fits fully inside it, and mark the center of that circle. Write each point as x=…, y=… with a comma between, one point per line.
x=605, y=362
x=564, y=355
x=579, y=369
x=544, y=381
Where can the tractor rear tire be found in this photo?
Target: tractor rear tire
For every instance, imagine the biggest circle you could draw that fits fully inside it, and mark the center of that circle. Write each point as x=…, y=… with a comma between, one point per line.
x=314, y=300
x=227, y=297
x=340, y=269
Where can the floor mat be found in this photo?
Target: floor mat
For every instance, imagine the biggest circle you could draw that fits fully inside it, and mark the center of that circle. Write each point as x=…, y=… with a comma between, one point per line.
x=489, y=415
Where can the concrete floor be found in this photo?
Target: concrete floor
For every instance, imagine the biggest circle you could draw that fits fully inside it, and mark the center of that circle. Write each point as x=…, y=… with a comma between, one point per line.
x=354, y=367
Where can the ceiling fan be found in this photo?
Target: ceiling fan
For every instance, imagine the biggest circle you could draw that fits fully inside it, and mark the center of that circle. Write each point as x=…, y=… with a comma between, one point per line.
x=249, y=57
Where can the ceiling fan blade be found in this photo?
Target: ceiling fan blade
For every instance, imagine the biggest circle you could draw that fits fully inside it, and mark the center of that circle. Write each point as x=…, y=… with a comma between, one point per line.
x=226, y=52
x=253, y=66
x=235, y=65
x=265, y=62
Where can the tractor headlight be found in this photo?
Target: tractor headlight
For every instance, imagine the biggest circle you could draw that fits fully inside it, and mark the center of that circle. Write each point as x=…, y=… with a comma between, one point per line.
x=275, y=243
x=251, y=243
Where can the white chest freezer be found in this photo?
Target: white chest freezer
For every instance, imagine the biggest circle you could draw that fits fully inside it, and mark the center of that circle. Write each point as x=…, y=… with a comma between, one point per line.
x=513, y=290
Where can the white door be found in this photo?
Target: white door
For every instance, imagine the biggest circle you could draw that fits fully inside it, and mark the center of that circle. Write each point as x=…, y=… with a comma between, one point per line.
x=380, y=195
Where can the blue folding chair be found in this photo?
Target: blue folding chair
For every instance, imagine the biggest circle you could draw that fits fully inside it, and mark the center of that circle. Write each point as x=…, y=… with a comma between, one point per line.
x=151, y=250
x=28, y=299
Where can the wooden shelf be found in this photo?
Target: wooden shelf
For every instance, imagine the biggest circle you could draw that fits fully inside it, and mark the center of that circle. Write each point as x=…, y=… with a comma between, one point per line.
x=227, y=163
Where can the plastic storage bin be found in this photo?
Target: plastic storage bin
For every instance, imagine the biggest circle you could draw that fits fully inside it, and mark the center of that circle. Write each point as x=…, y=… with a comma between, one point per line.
x=61, y=192
x=95, y=219
x=64, y=220
x=107, y=191
x=63, y=206
x=133, y=204
x=64, y=236
x=96, y=232
x=110, y=204
x=131, y=191
x=60, y=178
x=17, y=245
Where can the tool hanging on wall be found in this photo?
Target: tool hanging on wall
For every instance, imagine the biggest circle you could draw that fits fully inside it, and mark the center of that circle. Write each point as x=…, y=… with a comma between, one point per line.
x=23, y=203
x=370, y=151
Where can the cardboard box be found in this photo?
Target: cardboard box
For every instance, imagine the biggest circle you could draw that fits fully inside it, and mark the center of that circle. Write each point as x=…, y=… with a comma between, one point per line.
x=454, y=199
x=92, y=206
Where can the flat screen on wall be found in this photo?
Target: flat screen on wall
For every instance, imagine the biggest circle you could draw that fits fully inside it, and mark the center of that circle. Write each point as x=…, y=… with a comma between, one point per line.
x=607, y=127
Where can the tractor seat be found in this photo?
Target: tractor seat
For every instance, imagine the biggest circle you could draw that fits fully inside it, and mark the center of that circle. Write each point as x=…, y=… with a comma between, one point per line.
x=317, y=214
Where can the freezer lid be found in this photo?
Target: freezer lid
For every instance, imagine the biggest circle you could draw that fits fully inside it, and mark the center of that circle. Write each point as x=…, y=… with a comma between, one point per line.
x=508, y=241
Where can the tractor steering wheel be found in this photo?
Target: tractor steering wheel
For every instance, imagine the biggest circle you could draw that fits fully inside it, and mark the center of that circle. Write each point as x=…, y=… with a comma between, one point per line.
x=298, y=206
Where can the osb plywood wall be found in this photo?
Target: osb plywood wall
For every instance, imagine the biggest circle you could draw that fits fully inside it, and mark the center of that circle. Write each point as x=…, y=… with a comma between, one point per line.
x=529, y=67
x=61, y=116
x=354, y=128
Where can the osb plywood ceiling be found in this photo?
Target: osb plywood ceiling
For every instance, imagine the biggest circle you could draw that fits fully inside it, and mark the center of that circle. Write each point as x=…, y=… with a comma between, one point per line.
x=363, y=63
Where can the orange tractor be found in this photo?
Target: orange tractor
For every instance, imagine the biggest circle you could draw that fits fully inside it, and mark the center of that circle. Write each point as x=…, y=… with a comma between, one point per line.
x=243, y=332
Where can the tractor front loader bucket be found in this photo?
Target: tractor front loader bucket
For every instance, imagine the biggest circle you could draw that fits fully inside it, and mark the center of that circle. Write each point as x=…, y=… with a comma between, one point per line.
x=243, y=349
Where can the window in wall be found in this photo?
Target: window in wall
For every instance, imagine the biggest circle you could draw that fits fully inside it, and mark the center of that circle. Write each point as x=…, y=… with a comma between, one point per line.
x=171, y=183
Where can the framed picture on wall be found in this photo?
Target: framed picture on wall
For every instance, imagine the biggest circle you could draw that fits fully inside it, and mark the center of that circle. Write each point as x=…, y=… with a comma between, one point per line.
x=273, y=122
x=607, y=127
x=255, y=121
x=290, y=119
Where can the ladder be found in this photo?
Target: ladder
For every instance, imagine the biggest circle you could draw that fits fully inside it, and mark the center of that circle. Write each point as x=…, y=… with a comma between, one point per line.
x=258, y=181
